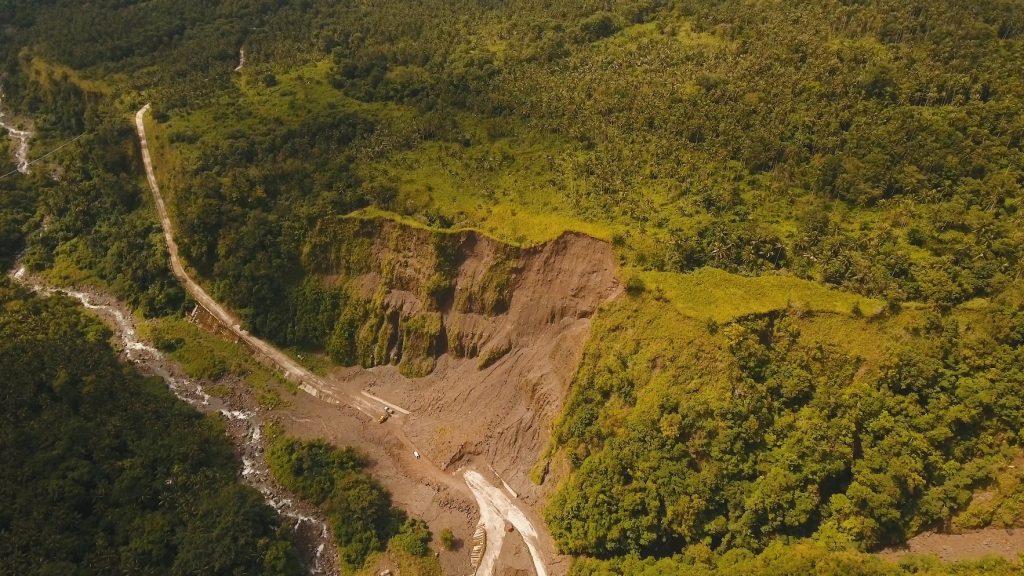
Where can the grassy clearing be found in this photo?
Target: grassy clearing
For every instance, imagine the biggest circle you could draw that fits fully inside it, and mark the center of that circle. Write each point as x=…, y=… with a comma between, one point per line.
x=209, y=357
x=713, y=294
x=400, y=562
x=306, y=90
x=43, y=71
x=861, y=337
x=509, y=187
x=512, y=183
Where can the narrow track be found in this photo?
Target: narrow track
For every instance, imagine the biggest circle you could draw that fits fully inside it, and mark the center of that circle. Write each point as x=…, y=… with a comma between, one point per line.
x=490, y=499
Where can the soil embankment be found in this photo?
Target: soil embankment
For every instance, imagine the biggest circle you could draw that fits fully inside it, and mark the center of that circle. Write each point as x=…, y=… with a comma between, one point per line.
x=489, y=373
x=419, y=477
x=971, y=545
x=511, y=331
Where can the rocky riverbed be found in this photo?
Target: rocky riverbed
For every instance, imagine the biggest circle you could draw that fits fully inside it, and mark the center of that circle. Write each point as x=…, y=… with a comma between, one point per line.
x=241, y=415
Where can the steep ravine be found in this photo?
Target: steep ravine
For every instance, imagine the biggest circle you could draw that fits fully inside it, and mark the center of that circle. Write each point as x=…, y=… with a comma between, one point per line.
x=242, y=421
x=478, y=338
x=415, y=474
x=20, y=137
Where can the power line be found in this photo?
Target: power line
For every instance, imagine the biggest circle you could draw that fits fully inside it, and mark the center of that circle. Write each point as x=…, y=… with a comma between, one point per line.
x=47, y=155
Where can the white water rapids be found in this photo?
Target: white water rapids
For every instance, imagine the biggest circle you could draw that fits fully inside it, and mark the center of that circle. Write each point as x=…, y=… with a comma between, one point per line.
x=241, y=59
x=311, y=529
x=20, y=136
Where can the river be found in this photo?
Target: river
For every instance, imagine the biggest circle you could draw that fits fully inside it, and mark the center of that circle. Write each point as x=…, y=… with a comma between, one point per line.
x=20, y=136
x=243, y=423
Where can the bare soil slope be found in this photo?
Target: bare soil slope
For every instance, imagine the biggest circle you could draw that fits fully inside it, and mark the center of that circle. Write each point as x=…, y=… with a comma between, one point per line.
x=513, y=326
x=971, y=545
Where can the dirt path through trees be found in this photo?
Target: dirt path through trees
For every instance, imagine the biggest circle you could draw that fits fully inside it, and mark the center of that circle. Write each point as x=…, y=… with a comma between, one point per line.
x=317, y=387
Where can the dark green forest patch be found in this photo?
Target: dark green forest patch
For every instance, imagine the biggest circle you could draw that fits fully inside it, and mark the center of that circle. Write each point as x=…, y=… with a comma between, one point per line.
x=105, y=472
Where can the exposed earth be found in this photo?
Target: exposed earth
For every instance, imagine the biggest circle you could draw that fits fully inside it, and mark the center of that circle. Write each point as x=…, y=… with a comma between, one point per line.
x=1008, y=543
x=460, y=443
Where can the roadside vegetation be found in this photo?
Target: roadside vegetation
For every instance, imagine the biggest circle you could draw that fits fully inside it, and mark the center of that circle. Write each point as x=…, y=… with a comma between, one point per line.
x=211, y=357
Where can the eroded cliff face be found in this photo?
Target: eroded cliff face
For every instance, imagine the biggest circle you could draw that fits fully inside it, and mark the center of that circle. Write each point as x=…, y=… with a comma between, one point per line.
x=478, y=338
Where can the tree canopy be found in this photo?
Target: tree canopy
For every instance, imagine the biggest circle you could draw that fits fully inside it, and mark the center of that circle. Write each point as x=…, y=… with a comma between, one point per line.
x=105, y=472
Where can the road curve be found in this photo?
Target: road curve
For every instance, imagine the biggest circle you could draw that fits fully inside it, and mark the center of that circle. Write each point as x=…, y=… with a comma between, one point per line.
x=490, y=498
x=292, y=370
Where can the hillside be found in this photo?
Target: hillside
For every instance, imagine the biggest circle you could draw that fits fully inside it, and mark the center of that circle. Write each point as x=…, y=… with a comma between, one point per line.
x=710, y=286
x=105, y=472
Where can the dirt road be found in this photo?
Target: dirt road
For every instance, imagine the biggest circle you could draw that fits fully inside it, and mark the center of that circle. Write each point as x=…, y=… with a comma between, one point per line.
x=971, y=545
x=486, y=494
x=290, y=369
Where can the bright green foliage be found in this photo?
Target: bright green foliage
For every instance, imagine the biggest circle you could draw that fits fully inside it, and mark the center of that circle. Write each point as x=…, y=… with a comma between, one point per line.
x=447, y=539
x=357, y=507
x=713, y=294
x=756, y=433
x=414, y=537
x=105, y=472
x=803, y=557
x=870, y=145
x=874, y=146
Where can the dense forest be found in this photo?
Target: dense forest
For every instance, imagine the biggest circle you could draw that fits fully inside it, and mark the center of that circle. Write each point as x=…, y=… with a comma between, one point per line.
x=802, y=558
x=105, y=472
x=358, y=508
x=84, y=215
x=873, y=146
x=768, y=430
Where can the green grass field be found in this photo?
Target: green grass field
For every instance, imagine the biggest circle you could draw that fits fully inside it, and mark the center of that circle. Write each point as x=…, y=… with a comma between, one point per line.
x=211, y=357
x=712, y=294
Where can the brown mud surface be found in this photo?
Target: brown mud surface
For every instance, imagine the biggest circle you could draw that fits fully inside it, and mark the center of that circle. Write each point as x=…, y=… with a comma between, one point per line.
x=496, y=419
x=971, y=545
x=462, y=414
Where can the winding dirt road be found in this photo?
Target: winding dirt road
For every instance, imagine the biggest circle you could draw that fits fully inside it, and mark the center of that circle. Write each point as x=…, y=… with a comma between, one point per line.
x=291, y=369
x=491, y=500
